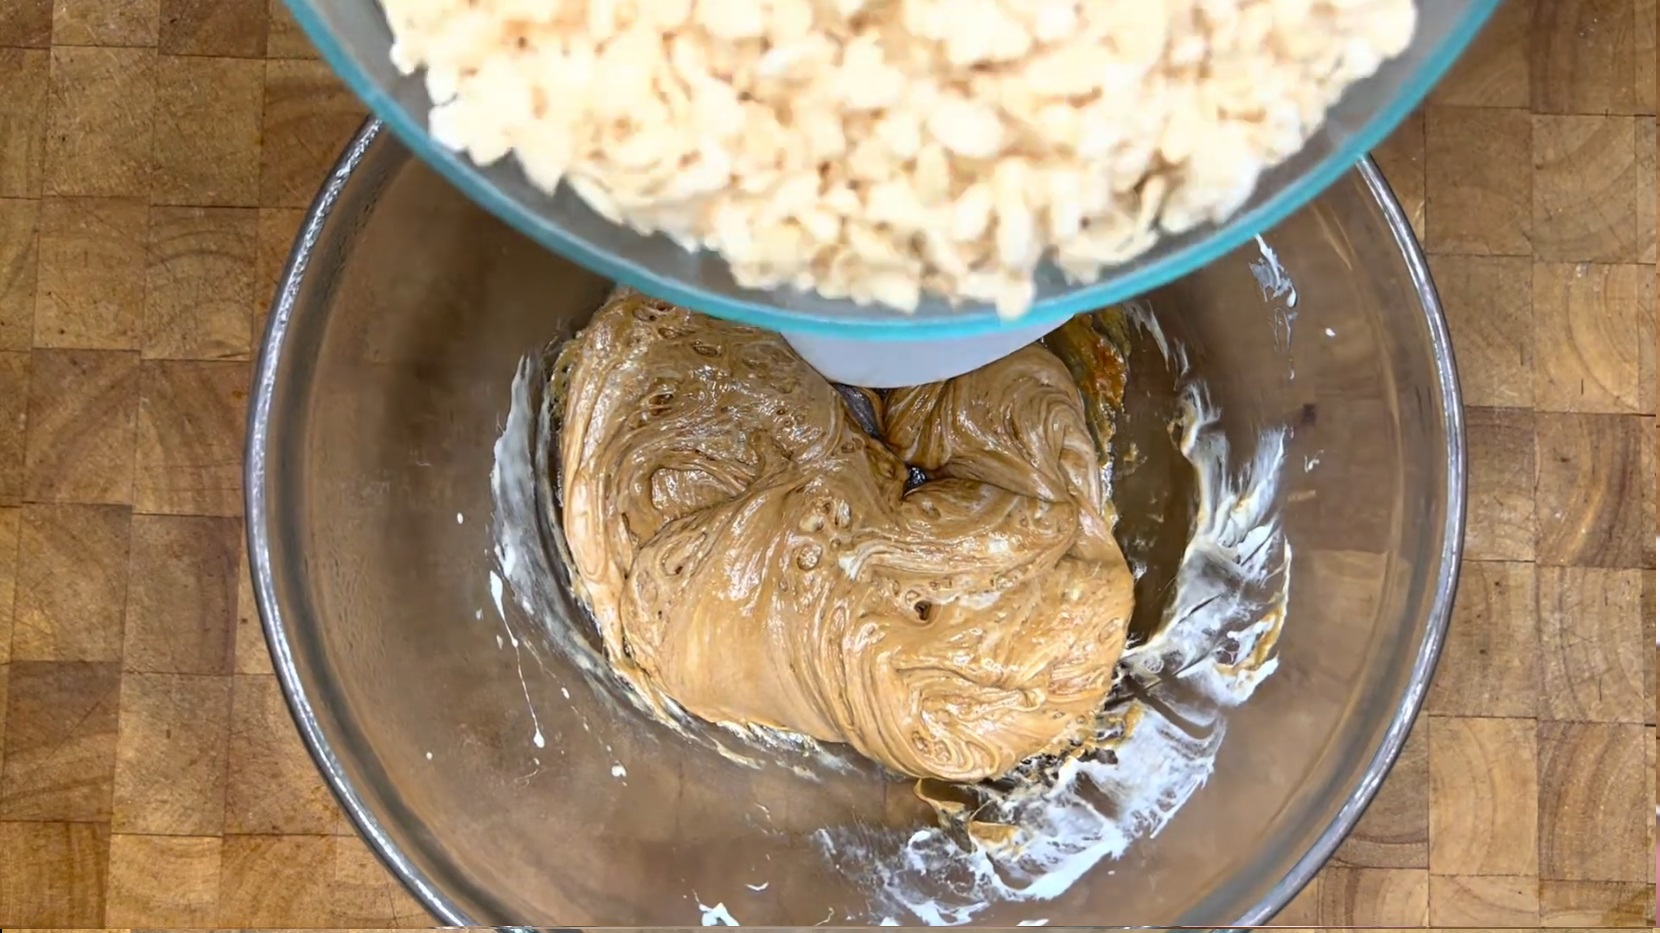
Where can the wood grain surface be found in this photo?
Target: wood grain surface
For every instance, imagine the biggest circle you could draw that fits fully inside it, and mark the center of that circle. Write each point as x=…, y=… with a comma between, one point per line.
x=155, y=160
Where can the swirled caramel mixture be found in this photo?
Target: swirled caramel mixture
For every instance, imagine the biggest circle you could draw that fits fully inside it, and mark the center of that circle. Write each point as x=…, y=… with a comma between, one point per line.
x=750, y=552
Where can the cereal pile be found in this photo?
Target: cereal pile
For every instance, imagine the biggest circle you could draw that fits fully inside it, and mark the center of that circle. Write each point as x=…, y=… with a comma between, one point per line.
x=873, y=149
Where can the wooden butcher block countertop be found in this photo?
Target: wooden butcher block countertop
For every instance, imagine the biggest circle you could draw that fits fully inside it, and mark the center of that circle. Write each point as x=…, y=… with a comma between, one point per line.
x=155, y=159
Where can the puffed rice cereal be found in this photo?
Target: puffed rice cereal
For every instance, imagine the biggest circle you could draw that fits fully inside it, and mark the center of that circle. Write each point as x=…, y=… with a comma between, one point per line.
x=874, y=149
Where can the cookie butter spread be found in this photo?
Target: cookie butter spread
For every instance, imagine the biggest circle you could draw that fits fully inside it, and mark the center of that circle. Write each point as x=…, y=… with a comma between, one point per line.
x=752, y=553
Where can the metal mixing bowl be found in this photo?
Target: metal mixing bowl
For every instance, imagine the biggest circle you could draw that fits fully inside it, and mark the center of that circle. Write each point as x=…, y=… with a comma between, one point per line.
x=382, y=386
x=353, y=37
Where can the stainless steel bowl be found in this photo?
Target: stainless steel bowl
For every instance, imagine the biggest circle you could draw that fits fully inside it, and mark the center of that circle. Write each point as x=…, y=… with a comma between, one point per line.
x=382, y=386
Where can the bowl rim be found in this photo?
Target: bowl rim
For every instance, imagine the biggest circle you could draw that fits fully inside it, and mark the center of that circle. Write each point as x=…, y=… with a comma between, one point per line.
x=259, y=533
x=1446, y=579
x=750, y=306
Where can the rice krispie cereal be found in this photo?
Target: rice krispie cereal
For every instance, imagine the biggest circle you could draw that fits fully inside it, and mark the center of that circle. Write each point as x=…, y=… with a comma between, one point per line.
x=874, y=149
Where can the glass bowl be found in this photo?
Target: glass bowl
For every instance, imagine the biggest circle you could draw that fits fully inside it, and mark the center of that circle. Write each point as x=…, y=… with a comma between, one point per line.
x=487, y=771
x=353, y=37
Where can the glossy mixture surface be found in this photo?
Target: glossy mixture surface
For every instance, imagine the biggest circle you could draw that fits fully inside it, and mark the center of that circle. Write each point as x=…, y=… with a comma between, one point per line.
x=749, y=551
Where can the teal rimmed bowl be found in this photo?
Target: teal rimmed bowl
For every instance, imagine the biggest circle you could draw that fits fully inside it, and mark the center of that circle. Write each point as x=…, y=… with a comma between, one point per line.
x=354, y=38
